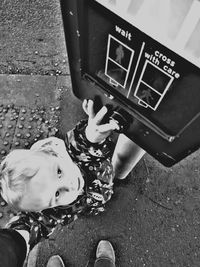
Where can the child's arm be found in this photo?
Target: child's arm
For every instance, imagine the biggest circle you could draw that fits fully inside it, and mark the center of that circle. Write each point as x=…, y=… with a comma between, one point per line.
x=91, y=147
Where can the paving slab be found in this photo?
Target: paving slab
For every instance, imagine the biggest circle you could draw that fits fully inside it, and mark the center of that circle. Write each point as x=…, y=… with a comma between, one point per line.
x=32, y=38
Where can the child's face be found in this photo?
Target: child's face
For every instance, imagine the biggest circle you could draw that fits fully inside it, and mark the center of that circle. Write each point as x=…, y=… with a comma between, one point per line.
x=57, y=182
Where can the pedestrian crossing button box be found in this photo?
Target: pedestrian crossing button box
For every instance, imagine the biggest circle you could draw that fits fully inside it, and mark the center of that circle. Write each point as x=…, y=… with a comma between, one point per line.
x=145, y=64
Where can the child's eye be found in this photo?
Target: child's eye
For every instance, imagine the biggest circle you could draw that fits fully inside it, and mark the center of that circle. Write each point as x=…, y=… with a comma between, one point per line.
x=57, y=194
x=59, y=172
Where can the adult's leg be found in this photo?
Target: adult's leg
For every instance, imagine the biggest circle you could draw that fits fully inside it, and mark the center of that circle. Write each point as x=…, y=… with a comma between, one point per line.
x=12, y=248
x=104, y=263
x=125, y=157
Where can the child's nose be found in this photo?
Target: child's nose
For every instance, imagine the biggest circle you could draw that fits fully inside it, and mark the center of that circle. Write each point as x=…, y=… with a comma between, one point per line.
x=68, y=186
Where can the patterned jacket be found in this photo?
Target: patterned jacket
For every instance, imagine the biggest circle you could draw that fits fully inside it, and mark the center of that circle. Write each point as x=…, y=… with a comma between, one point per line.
x=94, y=161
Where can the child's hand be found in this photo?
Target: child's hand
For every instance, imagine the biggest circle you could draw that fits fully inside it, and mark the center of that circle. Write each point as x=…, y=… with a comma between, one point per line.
x=96, y=132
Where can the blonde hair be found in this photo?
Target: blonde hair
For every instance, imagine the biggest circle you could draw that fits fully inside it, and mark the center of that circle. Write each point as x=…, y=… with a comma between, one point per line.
x=16, y=170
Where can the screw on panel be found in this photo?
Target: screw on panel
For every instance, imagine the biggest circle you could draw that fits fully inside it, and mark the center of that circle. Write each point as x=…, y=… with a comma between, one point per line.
x=78, y=33
x=171, y=138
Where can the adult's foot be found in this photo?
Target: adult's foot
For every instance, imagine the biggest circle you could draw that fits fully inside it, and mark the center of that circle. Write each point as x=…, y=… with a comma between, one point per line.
x=55, y=261
x=105, y=252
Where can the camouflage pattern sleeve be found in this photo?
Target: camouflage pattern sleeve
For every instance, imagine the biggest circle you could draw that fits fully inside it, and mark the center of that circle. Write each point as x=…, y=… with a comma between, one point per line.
x=83, y=150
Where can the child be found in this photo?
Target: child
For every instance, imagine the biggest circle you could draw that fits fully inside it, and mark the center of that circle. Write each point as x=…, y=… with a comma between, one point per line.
x=56, y=181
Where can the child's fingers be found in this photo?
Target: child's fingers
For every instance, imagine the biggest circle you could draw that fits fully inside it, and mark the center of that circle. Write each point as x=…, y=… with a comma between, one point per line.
x=111, y=126
x=87, y=106
x=100, y=114
x=84, y=106
x=90, y=109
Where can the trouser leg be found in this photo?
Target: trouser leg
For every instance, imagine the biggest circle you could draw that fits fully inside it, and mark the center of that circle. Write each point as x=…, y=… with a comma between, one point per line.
x=104, y=263
x=12, y=248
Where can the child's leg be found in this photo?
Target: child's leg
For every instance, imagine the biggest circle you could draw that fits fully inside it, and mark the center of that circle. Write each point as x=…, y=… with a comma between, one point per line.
x=126, y=155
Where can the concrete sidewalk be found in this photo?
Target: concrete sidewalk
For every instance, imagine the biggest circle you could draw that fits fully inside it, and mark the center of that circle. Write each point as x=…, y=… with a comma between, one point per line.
x=153, y=218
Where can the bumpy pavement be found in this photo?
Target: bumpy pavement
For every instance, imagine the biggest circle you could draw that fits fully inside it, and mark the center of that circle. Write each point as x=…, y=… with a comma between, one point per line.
x=153, y=218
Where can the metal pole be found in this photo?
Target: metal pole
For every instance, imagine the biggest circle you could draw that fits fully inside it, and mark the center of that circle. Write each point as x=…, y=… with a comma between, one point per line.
x=125, y=157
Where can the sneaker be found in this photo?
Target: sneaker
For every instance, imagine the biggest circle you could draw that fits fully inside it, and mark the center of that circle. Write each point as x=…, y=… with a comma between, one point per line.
x=55, y=261
x=105, y=251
